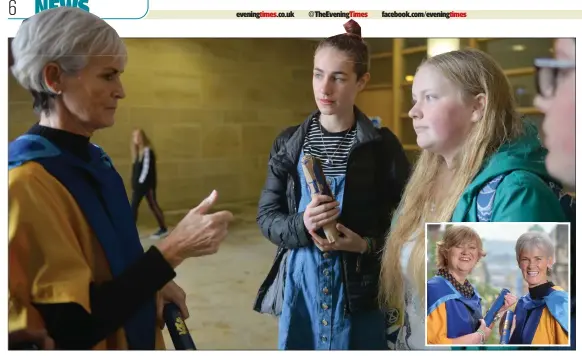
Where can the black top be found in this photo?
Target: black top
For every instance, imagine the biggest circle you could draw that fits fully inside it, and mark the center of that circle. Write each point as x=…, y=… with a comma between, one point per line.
x=144, y=171
x=538, y=292
x=66, y=141
x=112, y=302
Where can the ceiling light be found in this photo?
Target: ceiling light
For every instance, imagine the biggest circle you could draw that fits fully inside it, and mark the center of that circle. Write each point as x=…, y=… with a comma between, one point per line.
x=518, y=48
x=437, y=46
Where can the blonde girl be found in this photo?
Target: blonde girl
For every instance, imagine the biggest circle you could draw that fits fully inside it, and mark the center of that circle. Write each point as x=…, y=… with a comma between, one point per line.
x=480, y=161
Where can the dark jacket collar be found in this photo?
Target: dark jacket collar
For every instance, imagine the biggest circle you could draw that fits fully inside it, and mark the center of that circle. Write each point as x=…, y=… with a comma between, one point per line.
x=289, y=153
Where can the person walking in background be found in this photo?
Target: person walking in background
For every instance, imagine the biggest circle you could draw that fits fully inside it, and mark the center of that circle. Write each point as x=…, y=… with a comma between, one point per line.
x=144, y=180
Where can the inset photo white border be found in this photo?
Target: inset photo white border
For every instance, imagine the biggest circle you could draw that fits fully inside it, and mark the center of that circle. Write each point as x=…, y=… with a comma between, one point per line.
x=498, y=241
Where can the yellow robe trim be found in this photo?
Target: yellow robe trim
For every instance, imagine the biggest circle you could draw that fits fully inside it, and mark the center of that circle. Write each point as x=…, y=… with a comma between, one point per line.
x=549, y=331
x=436, y=332
x=53, y=254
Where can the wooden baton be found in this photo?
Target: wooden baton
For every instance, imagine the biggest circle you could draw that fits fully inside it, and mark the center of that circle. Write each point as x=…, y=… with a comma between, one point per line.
x=317, y=184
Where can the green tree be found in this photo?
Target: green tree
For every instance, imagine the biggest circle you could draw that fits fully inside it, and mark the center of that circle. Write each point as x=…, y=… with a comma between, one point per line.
x=536, y=227
x=489, y=294
x=431, y=254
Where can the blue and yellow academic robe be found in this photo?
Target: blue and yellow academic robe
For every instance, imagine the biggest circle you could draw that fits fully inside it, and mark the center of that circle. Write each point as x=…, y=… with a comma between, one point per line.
x=70, y=224
x=542, y=321
x=449, y=314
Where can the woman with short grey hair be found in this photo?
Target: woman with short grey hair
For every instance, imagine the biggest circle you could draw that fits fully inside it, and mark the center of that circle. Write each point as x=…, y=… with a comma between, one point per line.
x=541, y=315
x=540, y=241
x=76, y=265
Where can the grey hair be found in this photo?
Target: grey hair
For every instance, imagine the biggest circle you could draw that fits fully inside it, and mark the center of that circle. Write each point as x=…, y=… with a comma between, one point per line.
x=66, y=36
x=535, y=239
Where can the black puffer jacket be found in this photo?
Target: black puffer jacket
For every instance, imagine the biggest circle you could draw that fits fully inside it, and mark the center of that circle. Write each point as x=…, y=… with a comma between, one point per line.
x=376, y=173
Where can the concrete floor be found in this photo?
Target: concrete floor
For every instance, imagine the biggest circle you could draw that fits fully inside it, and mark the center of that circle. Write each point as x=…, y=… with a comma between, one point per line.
x=221, y=290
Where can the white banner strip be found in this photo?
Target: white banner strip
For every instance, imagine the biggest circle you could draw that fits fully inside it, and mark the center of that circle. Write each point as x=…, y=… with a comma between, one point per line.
x=138, y=9
x=445, y=14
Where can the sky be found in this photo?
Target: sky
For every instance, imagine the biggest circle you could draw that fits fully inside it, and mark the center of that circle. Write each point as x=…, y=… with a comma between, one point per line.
x=505, y=231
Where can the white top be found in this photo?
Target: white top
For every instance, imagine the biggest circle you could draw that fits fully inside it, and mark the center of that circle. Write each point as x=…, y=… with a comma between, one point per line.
x=412, y=333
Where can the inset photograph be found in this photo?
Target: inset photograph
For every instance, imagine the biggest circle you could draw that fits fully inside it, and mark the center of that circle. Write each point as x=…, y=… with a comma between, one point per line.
x=498, y=284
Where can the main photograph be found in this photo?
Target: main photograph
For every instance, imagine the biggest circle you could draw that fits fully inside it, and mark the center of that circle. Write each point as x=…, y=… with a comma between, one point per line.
x=303, y=168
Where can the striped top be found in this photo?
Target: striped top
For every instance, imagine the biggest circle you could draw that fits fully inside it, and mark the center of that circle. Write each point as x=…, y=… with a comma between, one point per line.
x=331, y=148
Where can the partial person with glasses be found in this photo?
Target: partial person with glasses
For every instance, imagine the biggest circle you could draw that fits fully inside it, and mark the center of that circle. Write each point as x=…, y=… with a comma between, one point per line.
x=556, y=98
x=325, y=294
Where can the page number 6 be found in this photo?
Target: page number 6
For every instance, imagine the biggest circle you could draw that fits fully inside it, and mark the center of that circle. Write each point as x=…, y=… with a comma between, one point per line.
x=12, y=7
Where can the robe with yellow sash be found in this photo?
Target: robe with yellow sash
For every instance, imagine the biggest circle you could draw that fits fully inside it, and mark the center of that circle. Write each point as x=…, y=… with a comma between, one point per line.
x=70, y=225
x=450, y=314
x=542, y=321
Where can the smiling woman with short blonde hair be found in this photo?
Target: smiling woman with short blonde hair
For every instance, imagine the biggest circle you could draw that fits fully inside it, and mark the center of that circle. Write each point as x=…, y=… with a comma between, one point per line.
x=455, y=236
x=454, y=306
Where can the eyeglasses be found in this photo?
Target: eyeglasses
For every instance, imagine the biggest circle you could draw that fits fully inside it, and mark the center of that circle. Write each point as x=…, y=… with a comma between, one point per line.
x=549, y=72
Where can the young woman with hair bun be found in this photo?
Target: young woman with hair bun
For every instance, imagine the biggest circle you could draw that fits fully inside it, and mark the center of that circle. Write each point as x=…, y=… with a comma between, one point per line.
x=328, y=291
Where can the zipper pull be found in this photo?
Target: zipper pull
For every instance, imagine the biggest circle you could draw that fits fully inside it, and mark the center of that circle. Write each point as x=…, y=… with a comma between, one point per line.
x=358, y=264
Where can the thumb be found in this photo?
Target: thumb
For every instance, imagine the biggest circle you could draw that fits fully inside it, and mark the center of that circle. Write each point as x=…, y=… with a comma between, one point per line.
x=344, y=230
x=207, y=203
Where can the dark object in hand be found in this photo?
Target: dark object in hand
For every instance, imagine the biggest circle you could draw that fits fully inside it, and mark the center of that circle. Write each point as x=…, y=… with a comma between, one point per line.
x=23, y=346
x=317, y=184
x=177, y=327
x=27, y=339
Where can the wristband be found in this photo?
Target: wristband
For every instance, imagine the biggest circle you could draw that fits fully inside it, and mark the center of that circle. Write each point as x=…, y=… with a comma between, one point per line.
x=368, y=244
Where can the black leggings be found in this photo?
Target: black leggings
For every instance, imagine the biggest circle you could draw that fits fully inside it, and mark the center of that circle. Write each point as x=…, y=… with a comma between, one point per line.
x=150, y=195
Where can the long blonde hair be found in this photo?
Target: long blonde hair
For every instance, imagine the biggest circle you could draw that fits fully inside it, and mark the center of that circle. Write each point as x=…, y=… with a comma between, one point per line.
x=473, y=72
x=137, y=149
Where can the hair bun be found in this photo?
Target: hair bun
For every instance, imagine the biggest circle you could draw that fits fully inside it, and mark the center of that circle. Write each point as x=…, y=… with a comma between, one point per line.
x=352, y=28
